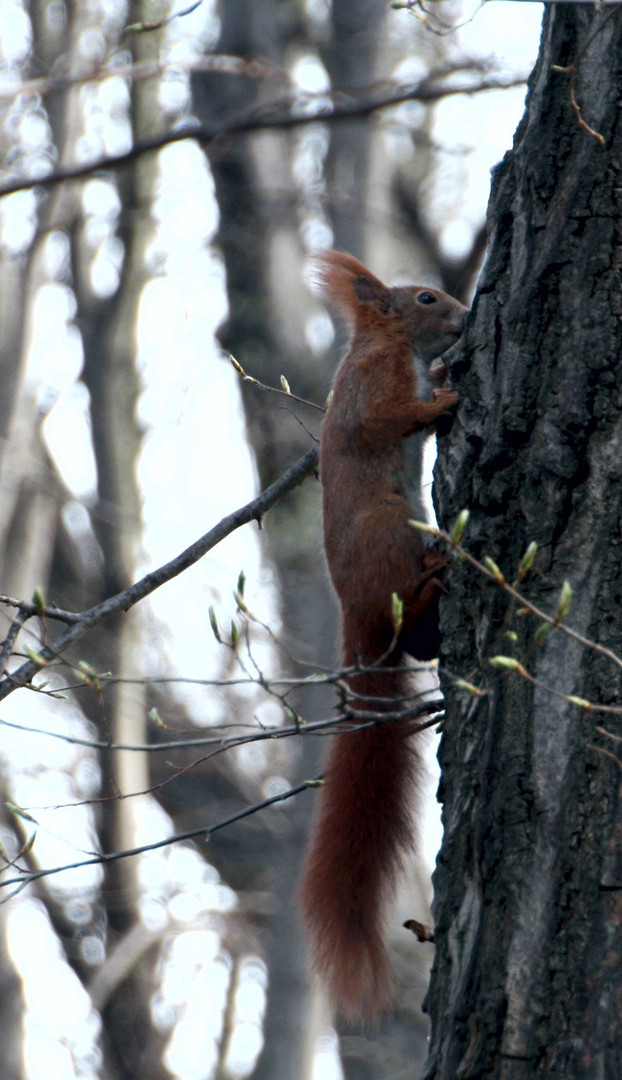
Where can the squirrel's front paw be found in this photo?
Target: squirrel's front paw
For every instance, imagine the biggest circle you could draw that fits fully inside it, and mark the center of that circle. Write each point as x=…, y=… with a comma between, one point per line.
x=445, y=397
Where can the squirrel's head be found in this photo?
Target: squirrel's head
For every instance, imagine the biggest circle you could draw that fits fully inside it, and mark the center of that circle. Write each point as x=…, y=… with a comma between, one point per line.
x=433, y=320
x=430, y=319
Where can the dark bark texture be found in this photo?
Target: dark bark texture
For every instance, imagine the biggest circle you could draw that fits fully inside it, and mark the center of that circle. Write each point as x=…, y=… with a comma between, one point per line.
x=528, y=886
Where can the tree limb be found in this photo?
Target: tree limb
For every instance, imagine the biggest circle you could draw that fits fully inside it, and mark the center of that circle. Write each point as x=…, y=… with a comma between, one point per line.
x=122, y=601
x=280, y=117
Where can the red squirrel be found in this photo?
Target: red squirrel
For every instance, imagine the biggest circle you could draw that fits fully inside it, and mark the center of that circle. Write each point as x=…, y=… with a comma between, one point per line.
x=383, y=397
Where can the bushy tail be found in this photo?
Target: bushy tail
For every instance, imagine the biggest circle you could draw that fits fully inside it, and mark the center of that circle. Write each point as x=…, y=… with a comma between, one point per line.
x=363, y=829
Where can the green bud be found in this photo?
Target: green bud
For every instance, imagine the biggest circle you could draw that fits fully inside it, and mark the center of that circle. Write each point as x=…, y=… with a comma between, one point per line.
x=155, y=717
x=460, y=525
x=422, y=526
x=494, y=570
x=526, y=562
x=13, y=808
x=86, y=668
x=214, y=624
x=462, y=684
x=241, y=606
x=565, y=598
x=581, y=702
x=505, y=663
x=397, y=612
x=35, y=656
x=238, y=367
x=29, y=844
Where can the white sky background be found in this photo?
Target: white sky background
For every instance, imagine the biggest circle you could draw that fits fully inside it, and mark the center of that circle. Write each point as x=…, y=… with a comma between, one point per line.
x=187, y=436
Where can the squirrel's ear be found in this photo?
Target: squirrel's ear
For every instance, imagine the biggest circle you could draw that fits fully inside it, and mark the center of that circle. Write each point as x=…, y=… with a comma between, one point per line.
x=349, y=285
x=369, y=290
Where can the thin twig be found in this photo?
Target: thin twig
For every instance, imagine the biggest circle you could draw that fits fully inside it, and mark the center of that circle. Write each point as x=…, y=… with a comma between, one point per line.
x=49, y=612
x=145, y=27
x=309, y=727
x=503, y=584
x=217, y=63
x=16, y=625
x=573, y=70
x=192, y=834
x=253, y=511
x=272, y=389
x=364, y=719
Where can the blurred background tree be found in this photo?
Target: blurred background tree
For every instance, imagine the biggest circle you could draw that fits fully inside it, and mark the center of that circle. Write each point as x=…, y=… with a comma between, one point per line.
x=126, y=435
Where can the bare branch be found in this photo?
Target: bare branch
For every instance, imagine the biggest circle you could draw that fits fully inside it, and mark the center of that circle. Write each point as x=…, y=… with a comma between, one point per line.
x=14, y=629
x=145, y=27
x=253, y=511
x=215, y=63
x=205, y=831
x=192, y=834
x=28, y=609
x=277, y=116
x=351, y=721
x=225, y=741
x=498, y=579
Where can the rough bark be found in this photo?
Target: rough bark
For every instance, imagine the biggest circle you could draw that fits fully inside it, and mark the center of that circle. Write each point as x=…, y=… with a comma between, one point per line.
x=528, y=885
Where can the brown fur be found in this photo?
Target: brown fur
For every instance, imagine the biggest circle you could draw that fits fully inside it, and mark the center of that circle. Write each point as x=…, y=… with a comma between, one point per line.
x=364, y=824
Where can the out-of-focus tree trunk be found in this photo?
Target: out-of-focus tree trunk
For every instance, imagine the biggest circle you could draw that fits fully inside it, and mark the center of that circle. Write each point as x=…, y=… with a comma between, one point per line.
x=258, y=229
x=30, y=494
x=36, y=544
x=11, y=1011
x=132, y=1046
x=529, y=934
x=260, y=239
x=350, y=55
x=11, y=995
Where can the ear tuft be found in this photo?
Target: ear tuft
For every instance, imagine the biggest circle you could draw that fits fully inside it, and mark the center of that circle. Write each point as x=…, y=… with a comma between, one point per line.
x=369, y=290
x=347, y=283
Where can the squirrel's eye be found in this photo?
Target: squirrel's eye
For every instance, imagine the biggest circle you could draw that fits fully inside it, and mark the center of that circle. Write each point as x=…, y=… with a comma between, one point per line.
x=426, y=298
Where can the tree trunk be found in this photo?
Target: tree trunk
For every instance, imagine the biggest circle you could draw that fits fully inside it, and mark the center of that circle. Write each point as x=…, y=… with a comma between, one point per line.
x=526, y=977
x=259, y=236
